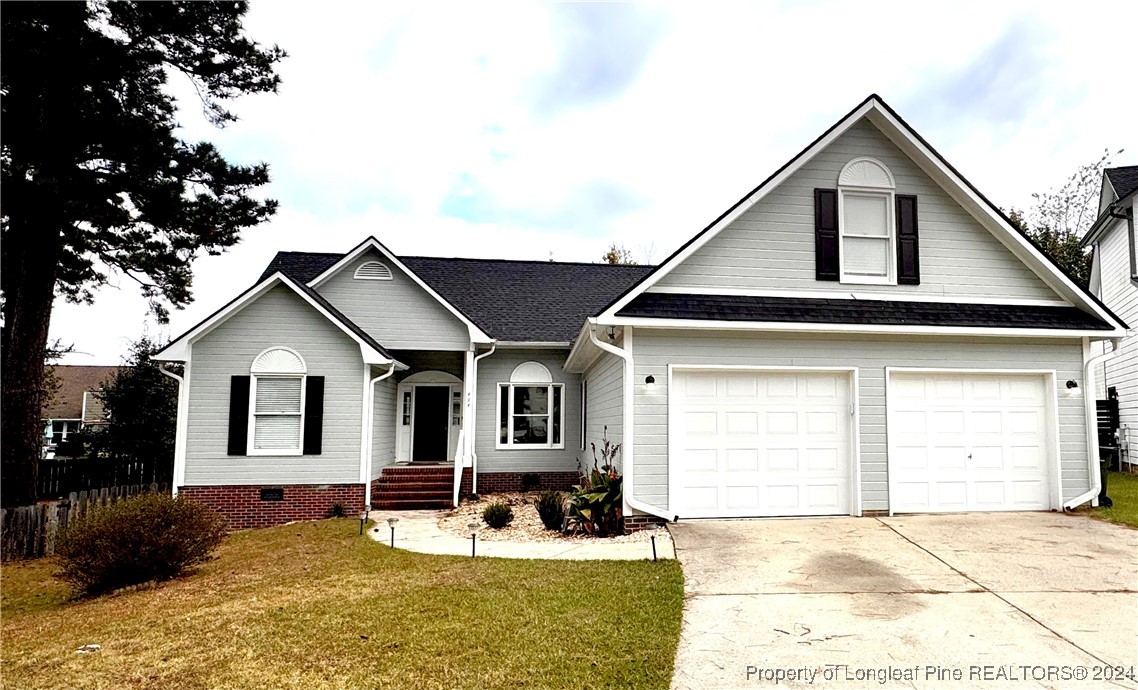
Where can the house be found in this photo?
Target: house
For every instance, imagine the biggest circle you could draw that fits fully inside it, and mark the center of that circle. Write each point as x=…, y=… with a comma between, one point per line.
x=863, y=333
x=1114, y=280
x=74, y=404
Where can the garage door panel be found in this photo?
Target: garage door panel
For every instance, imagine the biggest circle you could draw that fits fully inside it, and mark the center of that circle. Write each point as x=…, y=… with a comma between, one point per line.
x=984, y=437
x=781, y=443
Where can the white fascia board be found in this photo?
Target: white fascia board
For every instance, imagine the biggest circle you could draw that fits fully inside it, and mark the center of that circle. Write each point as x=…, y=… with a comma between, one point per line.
x=742, y=207
x=477, y=335
x=179, y=349
x=847, y=329
x=533, y=344
x=979, y=209
x=856, y=294
x=573, y=363
x=1107, y=221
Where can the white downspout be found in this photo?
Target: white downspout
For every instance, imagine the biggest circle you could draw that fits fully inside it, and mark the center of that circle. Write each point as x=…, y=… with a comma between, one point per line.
x=179, y=430
x=474, y=415
x=371, y=430
x=628, y=448
x=1089, y=388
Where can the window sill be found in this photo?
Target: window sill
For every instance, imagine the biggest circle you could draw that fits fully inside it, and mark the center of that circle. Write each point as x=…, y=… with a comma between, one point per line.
x=855, y=280
x=274, y=453
x=528, y=446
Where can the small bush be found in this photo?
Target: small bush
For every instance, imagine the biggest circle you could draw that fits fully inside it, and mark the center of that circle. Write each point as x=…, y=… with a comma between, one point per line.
x=148, y=537
x=596, y=504
x=551, y=508
x=338, y=510
x=498, y=515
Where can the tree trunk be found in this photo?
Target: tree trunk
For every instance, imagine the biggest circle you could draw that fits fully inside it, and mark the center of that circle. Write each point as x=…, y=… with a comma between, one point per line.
x=27, y=279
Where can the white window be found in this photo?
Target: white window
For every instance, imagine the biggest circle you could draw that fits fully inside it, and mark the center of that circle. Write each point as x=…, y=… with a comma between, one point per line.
x=276, y=415
x=531, y=410
x=866, y=226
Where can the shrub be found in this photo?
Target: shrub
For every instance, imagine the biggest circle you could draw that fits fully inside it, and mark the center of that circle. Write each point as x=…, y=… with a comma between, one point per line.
x=148, y=537
x=551, y=508
x=338, y=510
x=596, y=504
x=498, y=515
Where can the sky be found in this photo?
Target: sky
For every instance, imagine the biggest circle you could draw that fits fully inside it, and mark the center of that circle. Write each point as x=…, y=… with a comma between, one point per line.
x=550, y=130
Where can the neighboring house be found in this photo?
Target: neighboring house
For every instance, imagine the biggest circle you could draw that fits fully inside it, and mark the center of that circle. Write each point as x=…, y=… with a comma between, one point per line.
x=1114, y=280
x=862, y=333
x=75, y=404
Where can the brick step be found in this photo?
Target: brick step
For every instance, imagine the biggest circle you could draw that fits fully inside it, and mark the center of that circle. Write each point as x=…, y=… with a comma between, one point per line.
x=404, y=504
x=401, y=485
x=416, y=472
x=412, y=496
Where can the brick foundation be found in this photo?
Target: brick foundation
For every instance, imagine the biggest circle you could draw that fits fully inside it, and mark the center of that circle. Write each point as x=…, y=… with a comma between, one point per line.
x=243, y=508
x=635, y=523
x=500, y=482
x=875, y=513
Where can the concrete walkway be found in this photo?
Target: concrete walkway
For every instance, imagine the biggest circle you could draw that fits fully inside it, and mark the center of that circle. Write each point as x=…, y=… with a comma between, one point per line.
x=418, y=530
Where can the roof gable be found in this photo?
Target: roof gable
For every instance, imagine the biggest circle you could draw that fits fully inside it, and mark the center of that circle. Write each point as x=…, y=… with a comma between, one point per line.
x=74, y=381
x=934, y=166
x=372, y=352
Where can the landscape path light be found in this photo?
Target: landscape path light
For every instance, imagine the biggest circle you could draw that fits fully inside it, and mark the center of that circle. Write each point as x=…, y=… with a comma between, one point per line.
x=652, y=535
x=391, y=523
x=363, y=518
x=473, y=527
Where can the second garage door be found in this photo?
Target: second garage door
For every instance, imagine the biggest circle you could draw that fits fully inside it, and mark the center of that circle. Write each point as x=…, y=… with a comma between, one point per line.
x=760, y=443
x=963, y=442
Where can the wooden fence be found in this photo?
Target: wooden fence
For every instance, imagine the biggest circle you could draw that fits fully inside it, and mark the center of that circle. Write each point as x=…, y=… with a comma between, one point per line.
x=31, y=531
x=58, y=478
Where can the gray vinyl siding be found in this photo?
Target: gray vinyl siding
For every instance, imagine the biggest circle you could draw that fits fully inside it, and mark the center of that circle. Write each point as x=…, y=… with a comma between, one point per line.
x=1120, y=294
x=383, y=426
x=654, y=350
x=605, y=404
x=771, y=246
x=496, y=369
x=397, y=312
x=278, y=318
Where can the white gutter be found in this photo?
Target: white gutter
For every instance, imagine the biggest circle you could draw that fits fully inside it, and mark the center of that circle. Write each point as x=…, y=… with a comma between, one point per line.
x=1091, y=415
x=371, y=430
x=179, y=429
x=627, y=445
x=474, y=415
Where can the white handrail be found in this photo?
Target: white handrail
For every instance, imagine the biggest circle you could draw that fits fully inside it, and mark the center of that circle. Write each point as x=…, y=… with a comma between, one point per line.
x=458, y=465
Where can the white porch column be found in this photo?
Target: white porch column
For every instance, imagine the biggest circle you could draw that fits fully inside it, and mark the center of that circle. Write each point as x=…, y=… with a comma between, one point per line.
x=469, y=383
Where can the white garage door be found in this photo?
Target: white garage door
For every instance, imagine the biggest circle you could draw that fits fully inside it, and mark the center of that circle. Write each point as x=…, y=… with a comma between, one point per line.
x=968, y=442
x=751, y=443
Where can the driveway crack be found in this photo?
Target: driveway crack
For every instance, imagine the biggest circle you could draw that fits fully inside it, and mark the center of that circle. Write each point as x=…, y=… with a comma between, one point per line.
x=987, y=589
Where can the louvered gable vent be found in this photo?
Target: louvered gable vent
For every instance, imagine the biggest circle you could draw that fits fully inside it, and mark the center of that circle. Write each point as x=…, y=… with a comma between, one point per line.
x=373, y=270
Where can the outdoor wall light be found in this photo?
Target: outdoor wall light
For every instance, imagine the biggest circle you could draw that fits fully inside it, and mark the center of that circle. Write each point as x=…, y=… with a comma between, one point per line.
x=473, y=527
x=612, y=332
x=391, y=523
x=650, y=383
x=1073, y=390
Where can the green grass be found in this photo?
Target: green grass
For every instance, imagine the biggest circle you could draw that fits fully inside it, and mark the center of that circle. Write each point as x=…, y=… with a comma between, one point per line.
x=313, y=605
x=1123, y=490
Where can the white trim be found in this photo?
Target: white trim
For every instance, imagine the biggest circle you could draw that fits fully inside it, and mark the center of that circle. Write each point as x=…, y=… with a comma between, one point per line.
x=584, y=410
x=851, y=374
x=476, y=333
x=924, y=158
x=1090, y=420
x=180, y=418
x=405, y=440
x=474, y=417
x=509, y=444
x=178, y=350
x=846, y=176
x=534, y=344
x=531, y=372
x=798, y=327
x=367, y=457
x=250, y=443
x=257, y=361
x=1050, y=378
x=890, y=236
x=380, y=276
x=858, y=295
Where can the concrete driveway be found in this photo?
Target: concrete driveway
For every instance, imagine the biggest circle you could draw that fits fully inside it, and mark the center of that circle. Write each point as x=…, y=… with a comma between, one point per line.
x=1023, y=600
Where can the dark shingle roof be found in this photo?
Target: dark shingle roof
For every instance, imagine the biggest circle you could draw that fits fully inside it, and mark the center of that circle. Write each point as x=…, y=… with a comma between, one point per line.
x=862, y=312
x=74, y=380
x=1123, y=179
x=512, y=301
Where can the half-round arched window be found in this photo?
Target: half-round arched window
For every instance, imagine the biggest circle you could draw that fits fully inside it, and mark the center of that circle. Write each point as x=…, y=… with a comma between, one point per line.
x=373, y=270
x=276, y=407
x=531, y=410
x=867, y=229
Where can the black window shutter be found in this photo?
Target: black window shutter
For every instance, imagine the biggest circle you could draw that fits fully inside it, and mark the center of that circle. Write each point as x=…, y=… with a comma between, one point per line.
x=238, y=415
x=826, y=234
x=313, y=415
x=908, y=251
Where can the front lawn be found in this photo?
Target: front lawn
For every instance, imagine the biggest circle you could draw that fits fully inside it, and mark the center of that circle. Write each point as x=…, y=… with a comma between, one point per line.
x=1123, y=490
x=313, y=605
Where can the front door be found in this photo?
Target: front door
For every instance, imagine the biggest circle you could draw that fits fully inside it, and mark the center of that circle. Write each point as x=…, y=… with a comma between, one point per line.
x=431, y=424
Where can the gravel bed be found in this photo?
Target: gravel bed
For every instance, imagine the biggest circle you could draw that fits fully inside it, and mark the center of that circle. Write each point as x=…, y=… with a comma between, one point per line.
x=526, y=526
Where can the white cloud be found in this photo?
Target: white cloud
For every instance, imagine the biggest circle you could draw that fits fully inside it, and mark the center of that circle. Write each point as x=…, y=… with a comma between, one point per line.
x=423, y=124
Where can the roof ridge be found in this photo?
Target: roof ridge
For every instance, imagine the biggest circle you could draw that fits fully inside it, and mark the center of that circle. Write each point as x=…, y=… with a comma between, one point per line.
x=530, y=261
